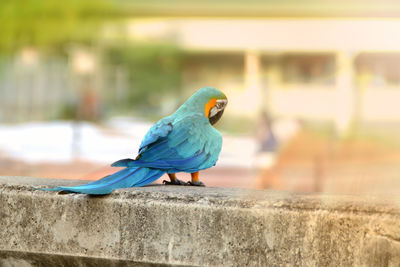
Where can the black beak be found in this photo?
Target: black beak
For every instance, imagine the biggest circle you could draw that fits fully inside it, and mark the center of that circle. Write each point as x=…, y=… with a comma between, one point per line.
x=216, y=117
x=217, y=111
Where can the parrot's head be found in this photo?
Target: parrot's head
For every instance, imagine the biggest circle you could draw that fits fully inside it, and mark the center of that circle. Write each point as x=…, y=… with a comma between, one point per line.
x=209, y=101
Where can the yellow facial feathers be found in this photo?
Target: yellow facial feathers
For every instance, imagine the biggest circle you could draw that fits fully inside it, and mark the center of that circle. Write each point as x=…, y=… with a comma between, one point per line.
x=210, y=104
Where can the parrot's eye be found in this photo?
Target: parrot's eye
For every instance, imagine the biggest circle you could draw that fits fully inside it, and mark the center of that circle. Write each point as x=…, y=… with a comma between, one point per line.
x=217, y=111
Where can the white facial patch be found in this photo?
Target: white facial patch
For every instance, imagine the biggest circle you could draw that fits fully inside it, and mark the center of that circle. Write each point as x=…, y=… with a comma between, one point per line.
x=220, y=105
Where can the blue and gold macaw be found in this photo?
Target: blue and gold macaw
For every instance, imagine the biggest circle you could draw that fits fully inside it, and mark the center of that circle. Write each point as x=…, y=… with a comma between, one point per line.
x=185, y=141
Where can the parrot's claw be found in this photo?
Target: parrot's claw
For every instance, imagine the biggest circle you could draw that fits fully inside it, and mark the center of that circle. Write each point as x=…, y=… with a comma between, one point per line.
x=175, y=182
x=193, y=183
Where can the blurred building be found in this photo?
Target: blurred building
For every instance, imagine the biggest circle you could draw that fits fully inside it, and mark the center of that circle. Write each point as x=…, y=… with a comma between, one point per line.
x=35, y=86
x=339, y=70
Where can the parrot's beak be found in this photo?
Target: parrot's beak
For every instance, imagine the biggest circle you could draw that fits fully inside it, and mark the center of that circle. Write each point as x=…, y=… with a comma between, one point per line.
x=217, y=111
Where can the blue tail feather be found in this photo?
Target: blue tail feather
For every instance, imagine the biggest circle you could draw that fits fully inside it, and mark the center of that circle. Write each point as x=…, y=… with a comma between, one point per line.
x=122, y=163
x=128, y=177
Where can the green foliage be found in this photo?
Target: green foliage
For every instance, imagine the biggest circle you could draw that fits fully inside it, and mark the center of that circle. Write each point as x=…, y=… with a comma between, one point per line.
x=67, y=111
x=50, y=23
x=154, y=72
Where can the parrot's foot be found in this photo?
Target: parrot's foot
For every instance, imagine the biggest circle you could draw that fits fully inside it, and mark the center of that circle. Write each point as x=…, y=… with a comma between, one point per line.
x=174, y=182
x=195, y=183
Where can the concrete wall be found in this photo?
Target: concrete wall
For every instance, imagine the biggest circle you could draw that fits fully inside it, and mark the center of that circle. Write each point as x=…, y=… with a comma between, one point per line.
x=171, y=225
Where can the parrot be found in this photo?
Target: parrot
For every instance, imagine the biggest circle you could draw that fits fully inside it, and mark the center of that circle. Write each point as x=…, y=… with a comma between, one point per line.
x=185, y=141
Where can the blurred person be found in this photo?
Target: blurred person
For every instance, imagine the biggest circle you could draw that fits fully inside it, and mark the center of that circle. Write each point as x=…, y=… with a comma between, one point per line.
x=265, y=136
x=88, y=103
x=267, y=149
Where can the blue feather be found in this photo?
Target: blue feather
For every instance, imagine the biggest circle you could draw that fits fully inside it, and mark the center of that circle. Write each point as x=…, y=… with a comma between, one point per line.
x=122, y=163
x=127, y=177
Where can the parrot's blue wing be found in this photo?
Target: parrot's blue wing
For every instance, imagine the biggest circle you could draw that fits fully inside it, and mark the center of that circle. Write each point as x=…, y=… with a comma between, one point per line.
x=177, y=146
x=158, y=131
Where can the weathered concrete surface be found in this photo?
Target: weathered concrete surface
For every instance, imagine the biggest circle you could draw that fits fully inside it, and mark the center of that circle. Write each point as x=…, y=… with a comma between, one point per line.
x=172, y=225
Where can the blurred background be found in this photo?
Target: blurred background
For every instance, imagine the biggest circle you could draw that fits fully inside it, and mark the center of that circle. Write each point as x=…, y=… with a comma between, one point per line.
x=313, y=87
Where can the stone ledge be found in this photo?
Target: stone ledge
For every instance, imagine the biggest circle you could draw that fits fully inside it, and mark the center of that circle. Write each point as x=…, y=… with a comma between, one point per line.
x=172, y=225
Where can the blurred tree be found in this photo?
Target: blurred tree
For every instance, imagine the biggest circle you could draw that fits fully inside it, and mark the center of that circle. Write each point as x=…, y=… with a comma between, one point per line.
x=50, y=23
x=154, y=73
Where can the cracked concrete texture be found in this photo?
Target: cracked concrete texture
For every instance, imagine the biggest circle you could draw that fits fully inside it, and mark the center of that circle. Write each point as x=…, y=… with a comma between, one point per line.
x=172, y=225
